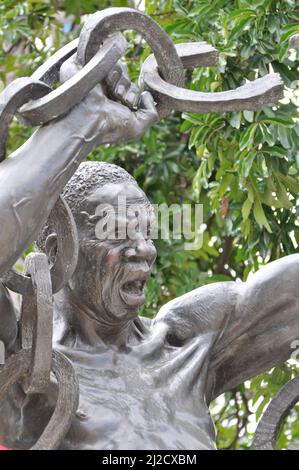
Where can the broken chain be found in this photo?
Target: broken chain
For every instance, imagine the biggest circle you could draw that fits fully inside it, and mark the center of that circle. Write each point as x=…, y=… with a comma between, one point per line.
x=100, y=45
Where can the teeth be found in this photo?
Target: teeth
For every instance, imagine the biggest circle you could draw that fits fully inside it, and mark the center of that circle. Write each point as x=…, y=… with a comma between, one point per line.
x=134, y=287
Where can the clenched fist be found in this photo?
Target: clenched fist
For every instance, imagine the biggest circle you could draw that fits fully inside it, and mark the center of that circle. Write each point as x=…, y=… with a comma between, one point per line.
x=118, y=111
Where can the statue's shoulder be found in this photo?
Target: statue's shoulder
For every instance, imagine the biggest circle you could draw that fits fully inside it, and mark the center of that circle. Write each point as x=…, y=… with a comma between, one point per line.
x=200, y=311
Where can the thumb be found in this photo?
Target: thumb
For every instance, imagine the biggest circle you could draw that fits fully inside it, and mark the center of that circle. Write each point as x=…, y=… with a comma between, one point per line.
x=147, y=114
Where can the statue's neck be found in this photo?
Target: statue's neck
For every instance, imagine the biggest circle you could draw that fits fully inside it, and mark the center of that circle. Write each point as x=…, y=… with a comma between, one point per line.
x=93, y=328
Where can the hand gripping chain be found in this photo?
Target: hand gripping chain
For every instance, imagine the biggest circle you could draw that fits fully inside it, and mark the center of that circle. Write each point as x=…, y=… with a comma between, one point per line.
x=98, y=49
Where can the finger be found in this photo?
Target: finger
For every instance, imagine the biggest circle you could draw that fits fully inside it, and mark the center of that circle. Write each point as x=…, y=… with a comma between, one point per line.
x=115, y=74
x=127, y=93
x=118, y=81
x=147, y=103
x=132, y=97
x=121, y=88
x=144, y=118
x=147, y=114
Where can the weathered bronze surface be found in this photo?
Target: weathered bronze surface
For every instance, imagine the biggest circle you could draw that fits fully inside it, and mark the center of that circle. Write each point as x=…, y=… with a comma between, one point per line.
x=143, y=384
x=268, y=429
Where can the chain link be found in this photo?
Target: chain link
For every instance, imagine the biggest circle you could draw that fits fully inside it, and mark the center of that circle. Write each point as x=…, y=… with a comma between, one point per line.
x=60, y=222
x=17, y=368
x=17, y=93
x=267, y=431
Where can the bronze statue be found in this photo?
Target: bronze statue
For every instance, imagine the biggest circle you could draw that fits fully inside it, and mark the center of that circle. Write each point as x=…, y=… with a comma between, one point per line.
x=143, y=384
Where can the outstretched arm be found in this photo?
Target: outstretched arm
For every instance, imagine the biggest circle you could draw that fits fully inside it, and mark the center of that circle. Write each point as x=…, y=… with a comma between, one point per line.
x=264, y=324
x=250, y=326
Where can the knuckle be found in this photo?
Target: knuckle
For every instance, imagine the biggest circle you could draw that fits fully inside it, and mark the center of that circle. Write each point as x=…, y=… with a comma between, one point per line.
x=152, y=115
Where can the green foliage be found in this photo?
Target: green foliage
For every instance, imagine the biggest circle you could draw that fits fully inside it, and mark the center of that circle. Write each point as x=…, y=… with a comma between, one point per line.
x=243, y=166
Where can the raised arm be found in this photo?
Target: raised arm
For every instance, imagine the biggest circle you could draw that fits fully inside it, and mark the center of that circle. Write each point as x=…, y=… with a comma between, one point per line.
x=33, y=177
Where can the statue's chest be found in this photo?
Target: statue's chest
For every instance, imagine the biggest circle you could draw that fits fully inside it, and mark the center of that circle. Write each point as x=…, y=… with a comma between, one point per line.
x=123, y=406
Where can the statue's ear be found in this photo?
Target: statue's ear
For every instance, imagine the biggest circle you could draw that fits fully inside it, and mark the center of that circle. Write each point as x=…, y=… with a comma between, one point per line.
x=85, y=223
x=62, y=244
x=51, y=247
x=83, y=218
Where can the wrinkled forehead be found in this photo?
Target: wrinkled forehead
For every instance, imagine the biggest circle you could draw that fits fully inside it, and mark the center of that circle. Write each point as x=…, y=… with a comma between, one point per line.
x=113, y=193
x=121, y=200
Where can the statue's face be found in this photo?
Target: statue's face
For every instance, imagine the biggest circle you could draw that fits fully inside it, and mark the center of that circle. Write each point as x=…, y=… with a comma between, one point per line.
x=111, y=273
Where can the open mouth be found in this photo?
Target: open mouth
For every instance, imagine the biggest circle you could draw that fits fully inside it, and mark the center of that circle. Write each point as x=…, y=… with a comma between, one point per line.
x=132, y=292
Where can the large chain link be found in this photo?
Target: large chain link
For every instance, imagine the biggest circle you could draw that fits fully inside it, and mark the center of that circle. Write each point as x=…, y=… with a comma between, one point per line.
x=32, y=366
x=18, y=367
x=98, y=49
x=267, y=432
x=60, y=222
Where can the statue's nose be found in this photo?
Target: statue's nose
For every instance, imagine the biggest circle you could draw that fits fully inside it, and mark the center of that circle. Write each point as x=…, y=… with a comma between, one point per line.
x=141, y=249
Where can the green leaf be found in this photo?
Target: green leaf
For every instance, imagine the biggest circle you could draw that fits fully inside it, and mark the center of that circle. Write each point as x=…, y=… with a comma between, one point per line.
x=193, y=118
x=284, y=137
x=283, y=52
x=240, y=13
x=246, y=208
x=194, y=136
x=246, y=161
x=259, y=215
x=261, y=407
x=235, y=120
x=275, y=151
x=290, y=182
x=267, y=135
x=240, y=26
x=260, y=393
x=282, y=195
x=290, y=30
x=247, y=136
x=248, y=115
x=250, y=193
x=278, y=120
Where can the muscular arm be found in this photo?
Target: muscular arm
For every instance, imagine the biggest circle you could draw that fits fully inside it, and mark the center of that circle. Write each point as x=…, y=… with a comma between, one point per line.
x=31, y=181
x=33, y=177
x=250, y=326
x=263, y=326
